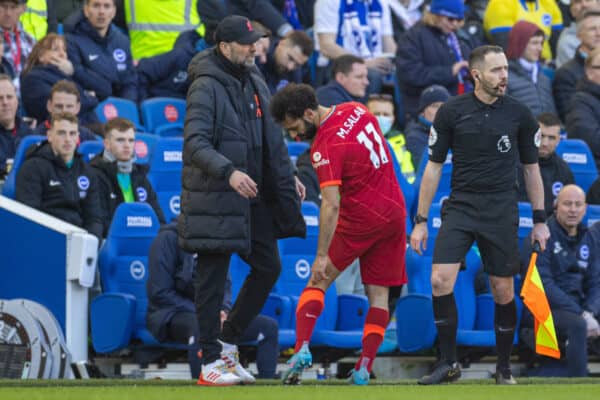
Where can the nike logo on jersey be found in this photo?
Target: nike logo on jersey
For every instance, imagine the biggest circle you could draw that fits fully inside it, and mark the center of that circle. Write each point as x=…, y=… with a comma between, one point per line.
x=501, y=329
x=54, y=183
x=93, y=57
x=310, y=316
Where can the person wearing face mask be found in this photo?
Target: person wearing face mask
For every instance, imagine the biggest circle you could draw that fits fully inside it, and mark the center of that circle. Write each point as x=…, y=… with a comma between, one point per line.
x=120, y=179
x=417, y=130
x=382, y=107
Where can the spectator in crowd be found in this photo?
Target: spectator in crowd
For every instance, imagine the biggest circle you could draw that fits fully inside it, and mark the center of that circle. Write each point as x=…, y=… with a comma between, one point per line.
x=262, y=11
x=406, y=13
x=64, y=97
x=501, y=15
x=360, y=28
x=239, y=191
x=48, y=64
x=120, y=179
x=593, y=194
x=555, y=171
x=11, y=126
x=570, y=273
x=583, y=121
x=432, y=54
x=567, y=76
x=382, y=107
x=285, y=59
x=144, y=18
x=100, y=53
x=165, y=75
x=171, y=315
x=16, y=43
x=300, y=14
x=526, y=80
x=417, y=129
x=35, y=18
x=349, y=81
x=568, y=40
x=54, y=178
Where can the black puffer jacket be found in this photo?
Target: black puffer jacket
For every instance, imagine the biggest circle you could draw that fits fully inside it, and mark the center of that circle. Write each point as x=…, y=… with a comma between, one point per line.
x=215, y=218
x=583, y=121
x=110, y=193
x=45, y=183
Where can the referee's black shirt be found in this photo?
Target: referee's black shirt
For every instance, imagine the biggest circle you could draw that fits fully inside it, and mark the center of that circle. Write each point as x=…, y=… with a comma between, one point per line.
x=485, y=140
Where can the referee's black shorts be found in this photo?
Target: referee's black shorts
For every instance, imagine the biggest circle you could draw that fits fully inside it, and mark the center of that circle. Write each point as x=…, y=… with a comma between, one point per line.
x=491, y=220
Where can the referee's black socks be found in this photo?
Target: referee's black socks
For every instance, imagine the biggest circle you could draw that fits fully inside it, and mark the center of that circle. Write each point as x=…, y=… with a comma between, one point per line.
x=505, y=321
x=446, y=321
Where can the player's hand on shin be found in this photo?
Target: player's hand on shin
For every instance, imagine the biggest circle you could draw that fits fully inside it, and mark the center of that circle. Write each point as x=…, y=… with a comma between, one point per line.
x=319, y=269
x=418, y=238
x=540, y=233
x=243, y=184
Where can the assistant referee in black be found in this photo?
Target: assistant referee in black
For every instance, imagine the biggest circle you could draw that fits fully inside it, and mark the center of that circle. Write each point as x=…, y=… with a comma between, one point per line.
x=487, y=133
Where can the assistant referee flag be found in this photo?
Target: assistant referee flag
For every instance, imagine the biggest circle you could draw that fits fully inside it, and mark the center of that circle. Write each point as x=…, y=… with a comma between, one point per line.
x=534, y=297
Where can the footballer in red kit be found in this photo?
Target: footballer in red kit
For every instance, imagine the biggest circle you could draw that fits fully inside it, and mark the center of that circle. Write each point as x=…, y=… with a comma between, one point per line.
x=362, y=215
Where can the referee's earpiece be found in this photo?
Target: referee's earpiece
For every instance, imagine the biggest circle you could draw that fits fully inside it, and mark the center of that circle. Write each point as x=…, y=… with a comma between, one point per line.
x=477, y=76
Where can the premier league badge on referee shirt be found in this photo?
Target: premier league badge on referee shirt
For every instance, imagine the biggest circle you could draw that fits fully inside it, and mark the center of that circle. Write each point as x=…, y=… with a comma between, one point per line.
x=504, y=144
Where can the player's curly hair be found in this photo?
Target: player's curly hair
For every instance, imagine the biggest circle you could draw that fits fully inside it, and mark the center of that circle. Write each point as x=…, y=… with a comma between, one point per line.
x=292, y=101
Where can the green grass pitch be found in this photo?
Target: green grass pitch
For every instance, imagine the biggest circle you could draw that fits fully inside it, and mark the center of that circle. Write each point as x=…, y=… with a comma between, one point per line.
x=530, y=389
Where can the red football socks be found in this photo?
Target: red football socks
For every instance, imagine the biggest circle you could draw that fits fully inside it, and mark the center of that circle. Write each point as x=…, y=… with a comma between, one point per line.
x=310, y=306
x=375, y=324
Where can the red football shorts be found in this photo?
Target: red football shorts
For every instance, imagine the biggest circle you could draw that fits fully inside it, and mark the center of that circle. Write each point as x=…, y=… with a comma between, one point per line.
x=381, y=254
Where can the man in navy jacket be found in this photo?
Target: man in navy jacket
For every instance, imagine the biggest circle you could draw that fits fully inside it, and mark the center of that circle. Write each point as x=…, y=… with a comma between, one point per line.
x=570, y=272
x=100, y=53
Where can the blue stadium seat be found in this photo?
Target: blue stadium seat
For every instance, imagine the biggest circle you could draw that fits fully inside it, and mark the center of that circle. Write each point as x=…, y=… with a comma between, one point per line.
x=144, y=144
x=10, y=183
x=277, y=306
x=165, y=174
x=581, y=161
x=163, y=112
x=113, y=107
x=123, y=267
x=415, y=329
x=443, y=190
x=525, y=221
x=592, y=215
x=408, y=190
x=295, y=149
x=89, y=149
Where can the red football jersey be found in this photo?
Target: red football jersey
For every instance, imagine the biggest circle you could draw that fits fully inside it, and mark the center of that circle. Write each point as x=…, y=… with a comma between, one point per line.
x=349, y=151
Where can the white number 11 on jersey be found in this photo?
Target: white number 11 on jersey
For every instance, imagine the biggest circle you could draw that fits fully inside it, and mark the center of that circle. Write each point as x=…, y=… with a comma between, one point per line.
x=363, y=138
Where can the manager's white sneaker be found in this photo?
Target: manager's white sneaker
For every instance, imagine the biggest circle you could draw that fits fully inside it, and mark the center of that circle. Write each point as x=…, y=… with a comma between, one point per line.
x=230, y=356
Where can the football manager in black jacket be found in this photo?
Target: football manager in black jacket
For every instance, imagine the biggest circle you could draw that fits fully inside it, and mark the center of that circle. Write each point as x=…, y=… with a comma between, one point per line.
x=239, y=191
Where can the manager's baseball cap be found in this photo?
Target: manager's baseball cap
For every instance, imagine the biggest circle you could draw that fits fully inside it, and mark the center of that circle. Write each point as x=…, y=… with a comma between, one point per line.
x=236, y=28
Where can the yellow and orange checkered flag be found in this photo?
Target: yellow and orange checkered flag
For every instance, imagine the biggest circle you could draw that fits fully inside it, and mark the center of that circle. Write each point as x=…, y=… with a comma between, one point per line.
x=534, y=297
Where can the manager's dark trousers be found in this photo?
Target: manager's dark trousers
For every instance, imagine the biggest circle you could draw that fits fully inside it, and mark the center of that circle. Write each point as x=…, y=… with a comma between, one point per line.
x=210, y=285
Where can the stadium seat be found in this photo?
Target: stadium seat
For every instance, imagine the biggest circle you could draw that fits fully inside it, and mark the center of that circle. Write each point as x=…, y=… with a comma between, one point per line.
x=415, y=329
x=89, y=149
x=592, y=214
x=113, y=107
x=581, y=161
x=295, y=149
x=165, y=174
x=277, y=306
x=525, y=221
x=10, y=183
x=443, y=190
x=163, y=112
x=119, y=314
x=144, y=143
x=408, y=190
